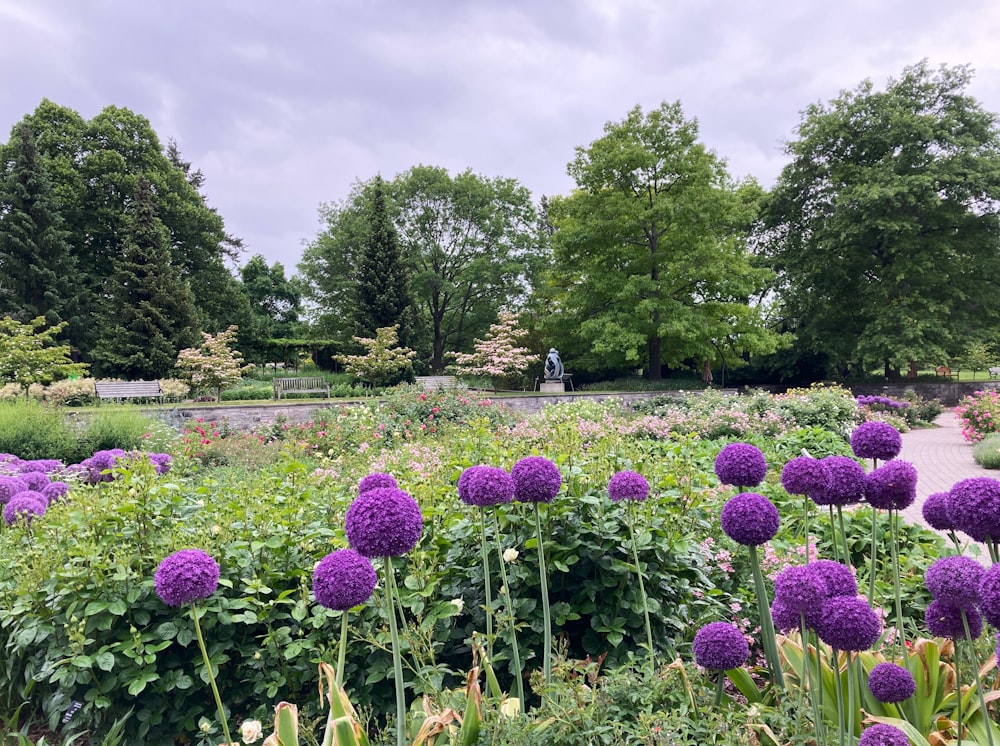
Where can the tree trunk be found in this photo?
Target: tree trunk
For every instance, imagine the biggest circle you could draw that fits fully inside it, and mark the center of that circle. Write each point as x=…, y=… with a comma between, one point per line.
x=655, y=372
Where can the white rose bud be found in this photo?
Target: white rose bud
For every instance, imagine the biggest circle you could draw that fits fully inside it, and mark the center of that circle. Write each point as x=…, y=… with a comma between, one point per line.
x=251, y=731
x=509, y=555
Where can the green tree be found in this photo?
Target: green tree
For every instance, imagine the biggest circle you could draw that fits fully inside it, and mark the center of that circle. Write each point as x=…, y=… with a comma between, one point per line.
x=384, y=360
x=652, y=267
x=36, y=262
x=884, y=227
x=274, y=304
x=149, y=312
x=29, y=353
x=215, y=365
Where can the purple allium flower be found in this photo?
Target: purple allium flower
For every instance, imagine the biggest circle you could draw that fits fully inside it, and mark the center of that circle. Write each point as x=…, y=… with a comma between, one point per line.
x=55, y=491
x=891, y=683
x=945, y=620
x=750, y=519
x=847, y=482
x=847, y=623
x=36, y=480
x=46, y=465
x=785, y=620
x=955, y=581
x=892, y=486
x=10, y=486
x=719, y=646
x=989, y=595
x=881, y=734
x=628, y=485
x=162, y=462
x=185, y=576
x=801, y=589
x=935, y=511
x=24, y=506
x=383, y=522
x=974, y=507
x=741, y=465
x=484, y=486
x=375, y=480
x=536, y=480
x=804, y=475
x=343, y=579
x=840, y=580
x=876, y=440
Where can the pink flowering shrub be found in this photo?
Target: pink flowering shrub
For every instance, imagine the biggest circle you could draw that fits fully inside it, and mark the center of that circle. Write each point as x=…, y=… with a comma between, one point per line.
x=980, y=415
x=497, y=357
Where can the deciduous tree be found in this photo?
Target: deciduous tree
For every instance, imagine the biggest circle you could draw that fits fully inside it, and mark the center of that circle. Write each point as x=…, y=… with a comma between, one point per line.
x=214, y=365
x=30, y=353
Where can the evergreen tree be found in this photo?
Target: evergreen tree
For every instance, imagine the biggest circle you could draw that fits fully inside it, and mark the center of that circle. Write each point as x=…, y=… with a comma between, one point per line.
x=382, y=294
x=36, y=264
x=149, y=311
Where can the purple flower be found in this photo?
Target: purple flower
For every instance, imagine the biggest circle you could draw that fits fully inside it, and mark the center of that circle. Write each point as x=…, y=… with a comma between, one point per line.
x=628, y=485
x=804, y=475
x=876, y=440
x=383, y=522
x=719, y=646
x=892, y=486
x=955, y=581
x=839, y=578
x=161, y=462
x=847, y=482
x=974, y=507
x=46, y=465
x=800, y=588
x=750, y=519
x=375, y=480
x=343, y=580
x=55, y=491
x=945, y=620
x=785, y=620
x=24, y=506
x=186, y=576
x=35, y=480
x=881, y=734
x=484, y=486
x=935, y=511
x=989, y=595
x=536, y=480
x=10, y=486
x=891, y=683
x=741, y=465
x=848, y=623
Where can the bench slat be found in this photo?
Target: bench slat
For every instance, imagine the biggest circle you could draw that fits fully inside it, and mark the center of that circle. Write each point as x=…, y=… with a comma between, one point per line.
x=128, y=390
x=314, y=385
x=430, y=383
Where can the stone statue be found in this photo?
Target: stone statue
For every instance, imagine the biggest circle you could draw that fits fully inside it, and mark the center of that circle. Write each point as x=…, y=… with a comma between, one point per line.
x=553, y=366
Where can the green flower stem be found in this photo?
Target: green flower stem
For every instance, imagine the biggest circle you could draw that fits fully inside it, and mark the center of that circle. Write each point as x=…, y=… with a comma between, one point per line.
x=807, y=511
x=821, y=723
x=852, y=698
x=958, y=693
x=979, y=683
x=720, y=684
x=342, y=653
x=546, y=612
x=208, y=670
x=814, y=684
x=894, y=548
x=515, y=651
x=874, y=555
x=486, y=583
x=397, y=660
x=766, y=623
x=833, y=533
x=843, y=535
x=838, y=685
x=642, y=587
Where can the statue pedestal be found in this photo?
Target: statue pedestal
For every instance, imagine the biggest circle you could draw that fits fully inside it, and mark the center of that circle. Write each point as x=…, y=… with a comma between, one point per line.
x=552, y=387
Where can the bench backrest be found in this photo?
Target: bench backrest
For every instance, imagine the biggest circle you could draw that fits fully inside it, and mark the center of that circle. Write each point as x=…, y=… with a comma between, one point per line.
x=942, y=370
x=437, y=382
x=127, y=389
x=285, y=384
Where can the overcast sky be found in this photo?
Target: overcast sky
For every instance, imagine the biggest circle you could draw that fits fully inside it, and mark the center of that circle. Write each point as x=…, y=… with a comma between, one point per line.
x=284, y=105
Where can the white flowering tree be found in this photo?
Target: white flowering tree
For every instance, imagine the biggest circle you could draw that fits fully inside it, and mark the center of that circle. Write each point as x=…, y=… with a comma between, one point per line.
x=214, y=365
x=384, y=360
x=498, y=356
x=29, y=353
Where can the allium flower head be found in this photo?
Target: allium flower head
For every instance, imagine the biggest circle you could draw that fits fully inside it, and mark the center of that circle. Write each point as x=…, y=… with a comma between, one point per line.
x=840, y=580
x=45, y=465
x=628, y=485
x=376, y=479
x=383, y=522
x=881, y=734
x=10, y=486
x=24, y=506
x=343, y=579
x=892, y=486
x=891, y=683
x=536, y=480
x=785, y=620
x=989, y=595
x=162, y=462
x=849, y=624
x=185, y=576
x=484, y=486
x=955, y=581
x=55, y=491
x=741, y=465
x=800, y=588
x=750, y=519
x=36, y=480
x=719, y=646
x=974, y=507
x=876, y=440
x=804, y=475
x=847, y=482
x=945, y=620
x=935, y=512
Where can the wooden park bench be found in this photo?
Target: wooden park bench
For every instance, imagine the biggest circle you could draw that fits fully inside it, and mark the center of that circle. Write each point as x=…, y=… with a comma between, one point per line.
x=314, y=385
x=121, y=390
x=995, y=372
x=432, y=383
x=943, y=371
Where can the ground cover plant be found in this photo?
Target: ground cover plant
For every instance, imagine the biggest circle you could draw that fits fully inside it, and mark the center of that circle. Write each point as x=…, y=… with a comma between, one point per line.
x=87, y=637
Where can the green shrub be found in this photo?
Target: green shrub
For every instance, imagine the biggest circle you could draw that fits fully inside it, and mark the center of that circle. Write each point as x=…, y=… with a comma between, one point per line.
x=980, y=414
x=249, y=391
x=33, y=430
x=123, y=427
x=987, y=452
x=921, y=411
